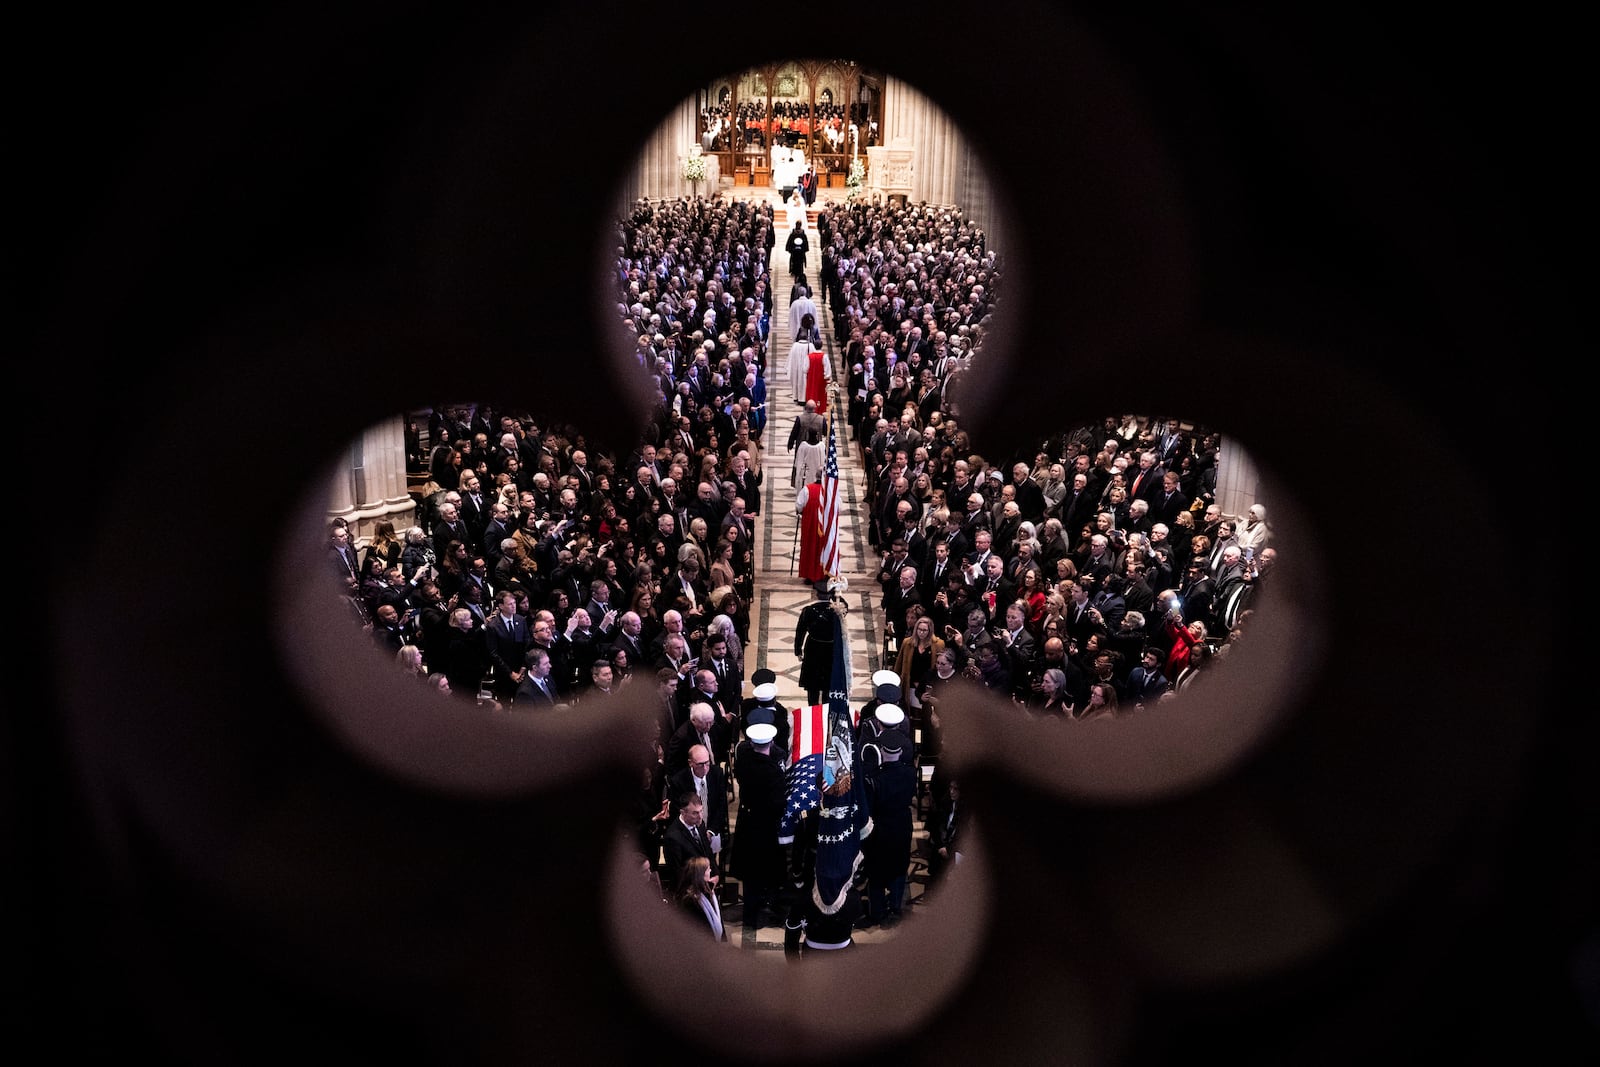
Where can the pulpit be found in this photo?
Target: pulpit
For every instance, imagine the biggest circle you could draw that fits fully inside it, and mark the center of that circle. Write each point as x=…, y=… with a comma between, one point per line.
x=891, y=169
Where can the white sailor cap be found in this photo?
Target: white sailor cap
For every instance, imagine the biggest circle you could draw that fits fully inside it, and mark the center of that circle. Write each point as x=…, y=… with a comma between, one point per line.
x=890, y=715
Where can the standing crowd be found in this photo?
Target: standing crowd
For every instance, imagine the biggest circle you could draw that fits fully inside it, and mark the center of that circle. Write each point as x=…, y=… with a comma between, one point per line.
x=1082, y=582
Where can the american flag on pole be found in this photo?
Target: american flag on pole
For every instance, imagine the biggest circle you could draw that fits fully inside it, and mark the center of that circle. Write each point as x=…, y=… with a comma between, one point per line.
x=828, y=515
x=805, y=749
x=843, y=822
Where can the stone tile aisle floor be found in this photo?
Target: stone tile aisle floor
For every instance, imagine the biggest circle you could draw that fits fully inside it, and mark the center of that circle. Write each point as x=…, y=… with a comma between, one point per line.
x=780, y=594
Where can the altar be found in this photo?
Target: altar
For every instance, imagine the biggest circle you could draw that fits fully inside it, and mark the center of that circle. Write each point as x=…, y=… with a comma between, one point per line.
x=787, y=166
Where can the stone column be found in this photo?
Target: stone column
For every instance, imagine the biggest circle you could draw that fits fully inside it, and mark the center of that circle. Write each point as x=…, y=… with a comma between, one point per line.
x=660, y=168
x=369, y=481
x=1238, y=481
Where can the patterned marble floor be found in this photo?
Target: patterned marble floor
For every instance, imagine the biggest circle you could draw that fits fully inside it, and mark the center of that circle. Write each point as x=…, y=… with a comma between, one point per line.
x=780, y=593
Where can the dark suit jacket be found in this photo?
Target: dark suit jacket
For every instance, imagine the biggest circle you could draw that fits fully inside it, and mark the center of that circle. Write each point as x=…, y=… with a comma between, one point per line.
x=929, y=584
x=344, y=566
x=678, y=846
x=475, y=518
x=1112, y=609
x=1149, y=485
x=749, y=489
x=1199, y=602
x=508, y=644
x=493, y=534
x=1004, y=538
x=466, y=660
x=1076, y=512
x=560, y=652
x=443, y=535
x=529, y=695
x=1020, y=656
x=684, y=738
x=638, y=655
x=1166, y=511
x=895, y=604
x=1030, y=500
x=1146, y=685
x=730, y=684
x=1079, y=625
x=716, y=796
x=1004, y=594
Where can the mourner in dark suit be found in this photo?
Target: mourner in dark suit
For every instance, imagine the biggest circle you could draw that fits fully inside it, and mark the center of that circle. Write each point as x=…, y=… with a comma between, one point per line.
x=703, y=726
x=508, y=638
x=1146, y=682
x=538, y=688
x=1166, y=504
x=706, y=780
x=685, y=837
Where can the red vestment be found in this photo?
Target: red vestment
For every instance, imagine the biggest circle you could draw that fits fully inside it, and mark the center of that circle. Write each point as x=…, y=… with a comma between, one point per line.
x=811, y=535
x=816, y=374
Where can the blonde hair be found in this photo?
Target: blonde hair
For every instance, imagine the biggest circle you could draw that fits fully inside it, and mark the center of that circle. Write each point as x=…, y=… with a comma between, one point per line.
x=409, y=659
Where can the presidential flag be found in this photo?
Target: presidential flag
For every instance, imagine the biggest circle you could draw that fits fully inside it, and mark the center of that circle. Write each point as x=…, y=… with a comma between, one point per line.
x=844, y=823
x=807, y=735
x=828, y=515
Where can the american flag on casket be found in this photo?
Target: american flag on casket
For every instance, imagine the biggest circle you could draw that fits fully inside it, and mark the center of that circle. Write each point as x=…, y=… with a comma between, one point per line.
x=806, y=736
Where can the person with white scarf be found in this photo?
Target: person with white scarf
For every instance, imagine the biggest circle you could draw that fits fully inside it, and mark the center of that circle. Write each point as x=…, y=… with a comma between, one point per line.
x=697, y=896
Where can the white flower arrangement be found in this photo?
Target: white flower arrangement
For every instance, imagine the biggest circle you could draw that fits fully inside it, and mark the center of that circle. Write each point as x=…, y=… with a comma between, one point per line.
x=854, y=180
x=694, y=168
